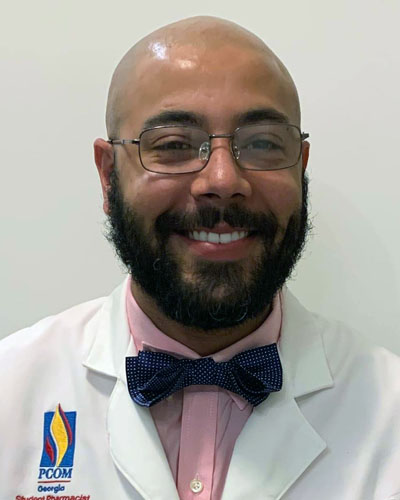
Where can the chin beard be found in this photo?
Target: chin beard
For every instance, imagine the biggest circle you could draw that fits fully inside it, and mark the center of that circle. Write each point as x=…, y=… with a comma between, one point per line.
x=221, y=294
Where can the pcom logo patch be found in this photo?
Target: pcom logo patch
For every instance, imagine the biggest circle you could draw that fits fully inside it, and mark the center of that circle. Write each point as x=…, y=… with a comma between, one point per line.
x=58, y=446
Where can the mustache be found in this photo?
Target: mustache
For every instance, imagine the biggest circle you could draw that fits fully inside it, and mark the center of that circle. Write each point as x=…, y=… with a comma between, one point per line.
x=265, y=225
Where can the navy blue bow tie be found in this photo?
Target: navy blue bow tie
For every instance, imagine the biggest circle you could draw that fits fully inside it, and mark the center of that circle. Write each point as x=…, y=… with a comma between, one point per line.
x=253, y=374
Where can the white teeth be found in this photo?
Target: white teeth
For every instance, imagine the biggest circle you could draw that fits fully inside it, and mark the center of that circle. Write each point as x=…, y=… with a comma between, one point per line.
x=225, y=238
x=216, y=237
x=213, y=237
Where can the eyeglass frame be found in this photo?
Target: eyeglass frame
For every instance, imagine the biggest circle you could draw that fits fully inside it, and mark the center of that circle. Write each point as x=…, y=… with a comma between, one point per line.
x=122, y=142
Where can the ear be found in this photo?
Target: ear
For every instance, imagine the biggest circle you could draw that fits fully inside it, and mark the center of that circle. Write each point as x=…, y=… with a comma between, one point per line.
x=305, y=151
x=104, y=158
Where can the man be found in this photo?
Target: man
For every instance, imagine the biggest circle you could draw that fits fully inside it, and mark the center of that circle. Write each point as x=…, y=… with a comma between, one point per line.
x=201, y=376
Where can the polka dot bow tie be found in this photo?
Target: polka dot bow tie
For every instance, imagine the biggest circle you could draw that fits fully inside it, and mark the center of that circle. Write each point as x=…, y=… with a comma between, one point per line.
x=253, y=374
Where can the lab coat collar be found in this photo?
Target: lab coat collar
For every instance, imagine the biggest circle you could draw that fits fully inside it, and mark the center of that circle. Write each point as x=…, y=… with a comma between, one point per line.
x=276, y=445
x=108, y=332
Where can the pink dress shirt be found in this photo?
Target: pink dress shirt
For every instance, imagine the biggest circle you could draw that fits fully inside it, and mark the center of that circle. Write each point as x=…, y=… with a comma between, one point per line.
x=198, y=426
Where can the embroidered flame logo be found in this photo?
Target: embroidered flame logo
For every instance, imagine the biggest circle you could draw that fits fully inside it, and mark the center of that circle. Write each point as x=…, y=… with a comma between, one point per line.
x=61, y=434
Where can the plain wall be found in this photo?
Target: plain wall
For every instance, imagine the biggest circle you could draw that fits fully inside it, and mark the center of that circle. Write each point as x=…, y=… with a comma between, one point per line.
x=56, y=61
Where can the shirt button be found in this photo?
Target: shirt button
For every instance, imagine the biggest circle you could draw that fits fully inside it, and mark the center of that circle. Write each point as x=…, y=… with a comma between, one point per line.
x=196, y=485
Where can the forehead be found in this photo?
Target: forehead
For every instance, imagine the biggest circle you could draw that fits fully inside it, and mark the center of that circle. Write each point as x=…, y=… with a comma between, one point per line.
x=219, y=83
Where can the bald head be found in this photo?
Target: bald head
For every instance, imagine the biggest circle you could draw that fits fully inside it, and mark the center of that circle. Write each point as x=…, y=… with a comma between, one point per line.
x=187, y=42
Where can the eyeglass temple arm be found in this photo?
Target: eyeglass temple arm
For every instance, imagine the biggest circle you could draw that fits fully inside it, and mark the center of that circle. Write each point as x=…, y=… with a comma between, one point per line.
x=123, y=141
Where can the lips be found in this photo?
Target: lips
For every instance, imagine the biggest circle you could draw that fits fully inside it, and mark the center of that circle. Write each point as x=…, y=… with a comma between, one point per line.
x=218, y=244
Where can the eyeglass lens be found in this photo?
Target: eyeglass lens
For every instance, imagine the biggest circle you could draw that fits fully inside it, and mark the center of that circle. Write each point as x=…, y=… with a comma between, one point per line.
x=187, y=149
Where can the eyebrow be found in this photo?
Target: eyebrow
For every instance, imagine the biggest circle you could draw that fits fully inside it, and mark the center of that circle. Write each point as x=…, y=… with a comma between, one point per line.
x=181, y=117
x=257, y=115
x=174, y=117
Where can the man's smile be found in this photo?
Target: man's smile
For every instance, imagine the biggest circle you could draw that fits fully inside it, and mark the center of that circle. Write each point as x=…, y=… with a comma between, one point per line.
x=221, y=243
x=222, y=238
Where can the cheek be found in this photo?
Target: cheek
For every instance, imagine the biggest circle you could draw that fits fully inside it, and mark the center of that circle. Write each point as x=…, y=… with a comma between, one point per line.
x=281, y=192
x=152, y=194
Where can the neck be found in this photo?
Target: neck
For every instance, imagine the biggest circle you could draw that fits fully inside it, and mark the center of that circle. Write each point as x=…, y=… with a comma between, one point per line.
x=201, y=341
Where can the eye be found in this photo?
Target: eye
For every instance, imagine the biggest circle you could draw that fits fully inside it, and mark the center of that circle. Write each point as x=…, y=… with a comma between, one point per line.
x=261, y=145
x=172, y=146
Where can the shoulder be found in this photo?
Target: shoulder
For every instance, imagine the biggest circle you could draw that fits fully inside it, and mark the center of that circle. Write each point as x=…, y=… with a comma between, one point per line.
x=352, y=359
x=54, y=333
x=341, y=342
x=348, y=348
x=362, y=370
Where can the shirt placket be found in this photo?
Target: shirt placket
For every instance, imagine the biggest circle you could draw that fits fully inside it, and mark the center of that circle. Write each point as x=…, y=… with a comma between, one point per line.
x=197, y=446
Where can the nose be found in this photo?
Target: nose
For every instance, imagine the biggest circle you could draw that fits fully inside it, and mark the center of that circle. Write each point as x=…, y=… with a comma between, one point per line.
x=221, y=178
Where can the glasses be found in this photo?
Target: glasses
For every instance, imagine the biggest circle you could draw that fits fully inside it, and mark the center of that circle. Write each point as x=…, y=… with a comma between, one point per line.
x=185, y=149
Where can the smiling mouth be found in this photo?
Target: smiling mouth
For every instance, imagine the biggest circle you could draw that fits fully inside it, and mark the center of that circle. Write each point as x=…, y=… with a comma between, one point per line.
x=220, y=243
x=216, y=238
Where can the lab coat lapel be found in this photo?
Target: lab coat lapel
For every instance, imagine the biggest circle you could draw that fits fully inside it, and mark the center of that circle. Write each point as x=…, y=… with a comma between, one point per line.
x=135, y=445
x=277, y=443
x=133, y=439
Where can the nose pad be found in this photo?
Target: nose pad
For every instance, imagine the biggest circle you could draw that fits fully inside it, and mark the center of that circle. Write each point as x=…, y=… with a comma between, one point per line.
x=204, y=151
x=236, y=151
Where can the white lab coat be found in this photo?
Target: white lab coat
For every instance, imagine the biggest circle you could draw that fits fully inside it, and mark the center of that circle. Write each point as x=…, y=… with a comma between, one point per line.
x=331, y=433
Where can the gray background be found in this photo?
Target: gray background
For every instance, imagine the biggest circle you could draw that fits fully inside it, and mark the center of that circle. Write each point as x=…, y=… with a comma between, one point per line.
x=56, y=61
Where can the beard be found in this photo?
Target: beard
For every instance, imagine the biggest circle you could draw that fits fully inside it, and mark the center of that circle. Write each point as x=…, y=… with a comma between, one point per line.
x=220, y=294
